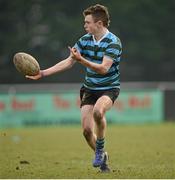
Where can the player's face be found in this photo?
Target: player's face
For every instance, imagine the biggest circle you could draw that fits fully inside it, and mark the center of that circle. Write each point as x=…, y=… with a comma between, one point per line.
x=90, y=25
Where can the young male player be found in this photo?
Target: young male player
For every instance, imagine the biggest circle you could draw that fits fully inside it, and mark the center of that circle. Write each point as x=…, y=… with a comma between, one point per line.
x=99, y=51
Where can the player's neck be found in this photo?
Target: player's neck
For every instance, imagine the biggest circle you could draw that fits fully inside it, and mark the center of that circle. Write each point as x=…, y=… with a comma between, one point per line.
x=98, y=35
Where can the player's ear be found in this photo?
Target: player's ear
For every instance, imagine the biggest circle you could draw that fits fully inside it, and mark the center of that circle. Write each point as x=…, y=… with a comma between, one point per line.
x=100, y=23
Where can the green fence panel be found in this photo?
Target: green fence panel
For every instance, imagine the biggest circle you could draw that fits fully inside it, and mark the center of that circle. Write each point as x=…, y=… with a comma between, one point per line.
x=138, y=107
x=36, y=109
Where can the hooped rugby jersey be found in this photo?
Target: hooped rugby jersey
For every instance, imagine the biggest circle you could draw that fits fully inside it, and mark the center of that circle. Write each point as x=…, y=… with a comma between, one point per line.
x=94, y=51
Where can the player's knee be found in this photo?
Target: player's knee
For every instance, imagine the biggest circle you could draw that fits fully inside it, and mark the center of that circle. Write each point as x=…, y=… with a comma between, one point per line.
x=98, y=114
x=87, y=132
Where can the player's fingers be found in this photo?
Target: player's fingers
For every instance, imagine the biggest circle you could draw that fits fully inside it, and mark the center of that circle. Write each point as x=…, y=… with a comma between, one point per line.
x=31, y=77
x=73, y=50
x=70, y=48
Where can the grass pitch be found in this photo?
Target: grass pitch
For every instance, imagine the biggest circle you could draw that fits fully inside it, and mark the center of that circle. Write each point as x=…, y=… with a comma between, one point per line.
x=142, y=151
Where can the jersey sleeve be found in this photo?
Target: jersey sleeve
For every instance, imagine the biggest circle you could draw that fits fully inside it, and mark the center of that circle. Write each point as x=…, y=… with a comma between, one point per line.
x=114, y=51
x=78, y=46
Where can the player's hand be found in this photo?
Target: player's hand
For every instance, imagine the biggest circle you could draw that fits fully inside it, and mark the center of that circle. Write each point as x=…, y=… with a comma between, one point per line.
x=75, y=54
x=36, y=77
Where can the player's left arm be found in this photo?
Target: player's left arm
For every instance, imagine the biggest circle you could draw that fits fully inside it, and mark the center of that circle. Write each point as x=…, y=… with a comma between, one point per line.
x=99, y=68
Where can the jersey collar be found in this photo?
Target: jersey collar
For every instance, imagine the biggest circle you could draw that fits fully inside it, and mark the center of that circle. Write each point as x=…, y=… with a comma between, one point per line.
x=97, y=42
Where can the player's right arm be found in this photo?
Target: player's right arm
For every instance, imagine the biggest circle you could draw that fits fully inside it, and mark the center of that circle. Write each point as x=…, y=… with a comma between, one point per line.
x=59, y=67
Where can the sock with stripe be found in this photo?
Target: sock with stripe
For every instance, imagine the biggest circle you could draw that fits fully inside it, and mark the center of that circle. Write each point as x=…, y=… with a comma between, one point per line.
x=100, y=144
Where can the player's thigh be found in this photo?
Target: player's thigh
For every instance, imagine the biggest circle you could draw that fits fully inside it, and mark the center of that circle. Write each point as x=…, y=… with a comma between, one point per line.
x=103, y=104
x=87, y=116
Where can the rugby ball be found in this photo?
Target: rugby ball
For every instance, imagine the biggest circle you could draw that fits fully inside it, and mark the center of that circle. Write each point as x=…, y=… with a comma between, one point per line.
x=26, y=64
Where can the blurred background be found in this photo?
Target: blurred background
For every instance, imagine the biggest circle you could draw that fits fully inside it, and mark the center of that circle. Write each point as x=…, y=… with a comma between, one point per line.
x=45, y=28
